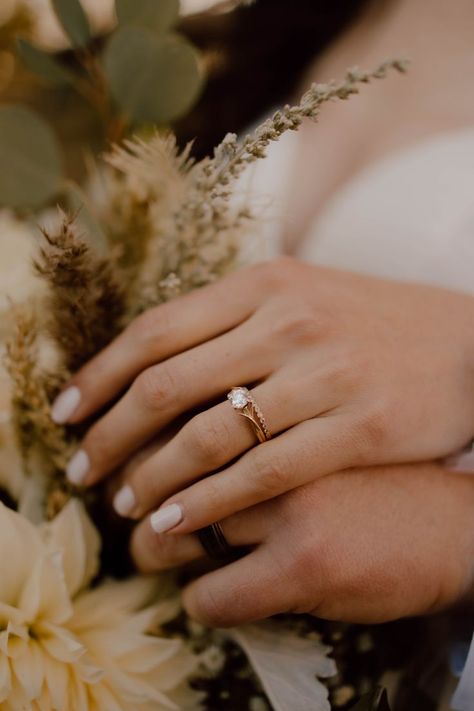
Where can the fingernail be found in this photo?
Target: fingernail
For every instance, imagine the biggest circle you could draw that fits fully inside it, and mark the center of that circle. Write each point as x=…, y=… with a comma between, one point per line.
x=65, y=405
x=78, y=467
x=124, y=501
x=463, y=462
x=167, y=518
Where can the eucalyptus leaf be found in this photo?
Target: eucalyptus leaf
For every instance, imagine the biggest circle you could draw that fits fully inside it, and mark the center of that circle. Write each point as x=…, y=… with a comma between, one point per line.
x=152, y=78
x=157, y=15
x=73, y=19
x=376, y=700
x=43, y=64
x=30, y=158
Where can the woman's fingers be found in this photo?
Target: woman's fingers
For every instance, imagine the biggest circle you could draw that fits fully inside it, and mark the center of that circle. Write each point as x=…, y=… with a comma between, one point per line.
x=162, y=393
x=153, y=337
x=211, y=440
x=152, y=551
x=306, y=452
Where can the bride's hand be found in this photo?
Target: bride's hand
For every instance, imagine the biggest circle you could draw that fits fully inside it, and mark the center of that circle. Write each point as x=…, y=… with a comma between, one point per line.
x=362, y=546
x=349, y=371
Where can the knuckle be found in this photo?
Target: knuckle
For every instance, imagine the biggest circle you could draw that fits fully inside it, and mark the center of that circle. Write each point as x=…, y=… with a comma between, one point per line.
x=154, y=551
x=274, y=474
x=209, y=439
x=277, y=273
x=311, y=572
x=100, y=443
x=158, y=387
x=151, y=326
x=343, y=374
x=212, y=608
x=302, y=327
x=371, y=433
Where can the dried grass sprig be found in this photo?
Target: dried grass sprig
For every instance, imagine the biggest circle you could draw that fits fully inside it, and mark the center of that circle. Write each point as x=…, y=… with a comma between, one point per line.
x=231, y=158
x=86, y=298
x=208, y=228
x=41, y=441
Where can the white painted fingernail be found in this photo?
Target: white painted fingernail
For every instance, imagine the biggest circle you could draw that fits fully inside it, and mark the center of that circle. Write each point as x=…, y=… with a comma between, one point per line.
x=65, y=405
x=78, y=467
x=167, y=518
x=463, y=462
x=124, y=501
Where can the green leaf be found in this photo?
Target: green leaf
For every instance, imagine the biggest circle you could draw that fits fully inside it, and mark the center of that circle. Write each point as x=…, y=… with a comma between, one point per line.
x=152, y=78
x=43, y=64
x=30, y=159
x=376, y=700
x=157, y=15
x=73, y=19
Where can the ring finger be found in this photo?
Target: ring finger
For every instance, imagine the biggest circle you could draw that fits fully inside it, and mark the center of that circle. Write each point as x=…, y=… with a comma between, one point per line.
x=215, y=437
x=164, y=392
x=153, y=552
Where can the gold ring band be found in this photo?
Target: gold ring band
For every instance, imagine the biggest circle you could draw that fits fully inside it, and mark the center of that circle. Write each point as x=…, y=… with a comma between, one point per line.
x=244, y=404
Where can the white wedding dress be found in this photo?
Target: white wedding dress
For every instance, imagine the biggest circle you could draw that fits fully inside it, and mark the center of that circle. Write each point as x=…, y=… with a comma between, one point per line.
x=409, y=216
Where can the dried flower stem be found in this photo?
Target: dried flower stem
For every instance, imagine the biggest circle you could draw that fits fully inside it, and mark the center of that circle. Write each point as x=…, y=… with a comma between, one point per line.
x=37, y=434
x=86, y=298
x=231, y=158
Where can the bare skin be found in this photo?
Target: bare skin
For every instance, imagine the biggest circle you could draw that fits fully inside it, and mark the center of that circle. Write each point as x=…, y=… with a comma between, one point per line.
x=369, y=372
x=393, y=114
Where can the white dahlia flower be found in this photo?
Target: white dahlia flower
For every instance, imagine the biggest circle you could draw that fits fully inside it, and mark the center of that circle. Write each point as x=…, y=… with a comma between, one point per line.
x=64, y=647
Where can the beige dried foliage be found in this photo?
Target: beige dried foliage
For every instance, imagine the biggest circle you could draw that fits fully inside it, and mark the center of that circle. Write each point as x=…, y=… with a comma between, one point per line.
x=42, y=443
x=178, y=228
x=86, y=302
x=191, y=230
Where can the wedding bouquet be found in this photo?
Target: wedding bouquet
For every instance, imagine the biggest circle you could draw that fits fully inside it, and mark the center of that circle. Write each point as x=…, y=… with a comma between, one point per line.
x=147, y=225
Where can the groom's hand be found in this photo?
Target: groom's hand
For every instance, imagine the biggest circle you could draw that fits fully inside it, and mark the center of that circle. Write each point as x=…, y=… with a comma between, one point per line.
x=364, y=546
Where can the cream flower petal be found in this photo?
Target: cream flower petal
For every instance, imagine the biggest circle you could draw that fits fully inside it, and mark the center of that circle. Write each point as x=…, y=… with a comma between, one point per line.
x=59, y=643
x=5, y=677
x=74, y=535
x=21, y=547
x=57, y=681
x=9, y=614
x=169, y=674
x=45, y=595
x=153, y=652
x=12, y=640
x=112, y=599
x=89, y=651
x=29, y=669
x=135, y=690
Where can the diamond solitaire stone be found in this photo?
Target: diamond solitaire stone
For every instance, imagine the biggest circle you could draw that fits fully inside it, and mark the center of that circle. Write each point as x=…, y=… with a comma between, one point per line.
x=239, y=398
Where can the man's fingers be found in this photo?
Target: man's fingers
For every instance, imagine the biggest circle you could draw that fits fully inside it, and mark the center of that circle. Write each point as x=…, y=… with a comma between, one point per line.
x=152, y=552
x=252, y=588
x=153, y=337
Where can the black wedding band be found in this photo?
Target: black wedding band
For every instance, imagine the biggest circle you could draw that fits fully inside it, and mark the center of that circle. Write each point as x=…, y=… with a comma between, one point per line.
x=214, y=542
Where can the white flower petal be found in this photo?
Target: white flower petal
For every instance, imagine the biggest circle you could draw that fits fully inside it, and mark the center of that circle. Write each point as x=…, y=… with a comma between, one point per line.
x=73, y=533
x=59, y=643
x=29, y=670
x=147, y=653
x=287, y=666
x=57, y=681
x=5, y=677
x=21, y=546
x=45, y=595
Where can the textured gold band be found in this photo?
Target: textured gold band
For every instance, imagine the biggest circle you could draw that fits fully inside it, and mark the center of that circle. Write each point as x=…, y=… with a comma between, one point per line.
x=245, y=405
